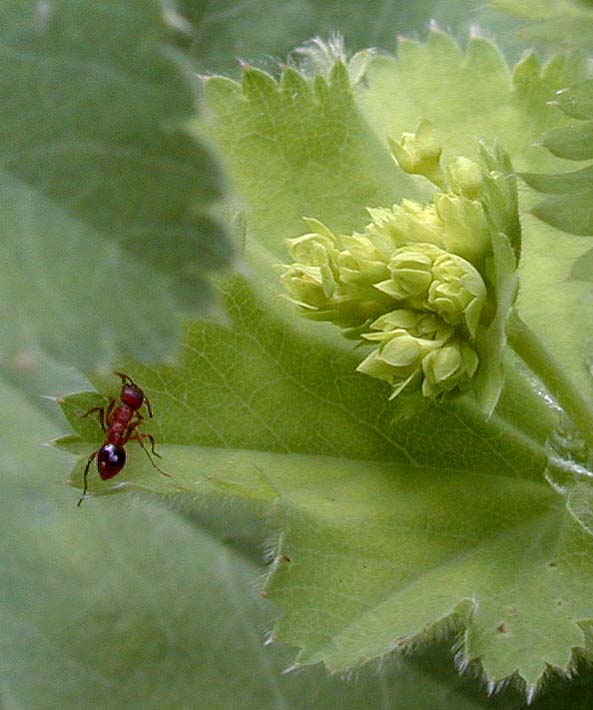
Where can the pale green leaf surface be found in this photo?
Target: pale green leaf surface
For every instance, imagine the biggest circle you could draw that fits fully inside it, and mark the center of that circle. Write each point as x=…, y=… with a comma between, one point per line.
x=353, y=487
x=573, y=142
x=93, y=105
x=95, y=614
x=295, y=149
x=577, y=100
x=299, y=148
x=434, y=541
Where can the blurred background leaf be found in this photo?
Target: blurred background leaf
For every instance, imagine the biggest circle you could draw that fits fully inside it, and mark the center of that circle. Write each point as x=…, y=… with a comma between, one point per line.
x=105, y=197
x=551, y=24
x=226, y=31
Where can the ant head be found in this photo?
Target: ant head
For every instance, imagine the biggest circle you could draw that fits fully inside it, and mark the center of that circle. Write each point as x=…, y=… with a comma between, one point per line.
x=132, y=395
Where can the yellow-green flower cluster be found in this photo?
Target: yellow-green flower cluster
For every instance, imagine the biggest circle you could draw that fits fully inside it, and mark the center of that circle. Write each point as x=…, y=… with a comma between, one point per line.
x=420, y=304
x=413, y=282
x=419, y=349
x=333, y=284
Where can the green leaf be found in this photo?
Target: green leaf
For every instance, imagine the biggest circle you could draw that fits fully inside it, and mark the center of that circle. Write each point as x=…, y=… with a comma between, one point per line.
x=571, y=210
x=63, y=288
x=182, y=589
x=301, y=149
x=560, y=183
x=437, y=80
x=571, y=206
x=269, y=412
x=579, y=505
x=281, y=393
x=573, y=142
x=357, y=591
x=244, y=418
x=577, y=100
x=574, y=215
x=98, y=170
x=111, y=613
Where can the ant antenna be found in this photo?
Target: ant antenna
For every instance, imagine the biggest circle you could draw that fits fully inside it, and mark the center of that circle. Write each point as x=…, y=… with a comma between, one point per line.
x=126, y=379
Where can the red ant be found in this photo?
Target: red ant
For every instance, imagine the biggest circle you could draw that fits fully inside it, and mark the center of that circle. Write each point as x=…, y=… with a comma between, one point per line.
x=119, y=422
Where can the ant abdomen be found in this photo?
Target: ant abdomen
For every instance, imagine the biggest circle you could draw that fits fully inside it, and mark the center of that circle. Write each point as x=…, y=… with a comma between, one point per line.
x=110, y=460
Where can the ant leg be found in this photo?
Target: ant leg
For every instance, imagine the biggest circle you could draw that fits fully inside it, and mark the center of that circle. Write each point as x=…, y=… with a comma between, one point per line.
x=110, y=407
x=150, y=438
x=103, y=412
x=147, y=403
x=138, y=437
x=133, y=434
x=101, y=417
x=85, y=486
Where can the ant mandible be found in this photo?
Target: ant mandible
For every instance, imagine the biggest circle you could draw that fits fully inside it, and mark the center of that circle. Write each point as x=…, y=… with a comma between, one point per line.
x=119, y=422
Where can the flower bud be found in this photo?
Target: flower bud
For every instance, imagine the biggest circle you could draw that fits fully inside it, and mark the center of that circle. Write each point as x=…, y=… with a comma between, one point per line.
x=333, y=285
x=464, y=177
x=314, y=249
x=310, y=287
x=411, y=274
x=457, y=292
x=449, y=367
x=312, y=279
x=424, y=325
x=405, y=337
x=419, y=153
x=405, y=223
x=362, y=263
x=465, y=227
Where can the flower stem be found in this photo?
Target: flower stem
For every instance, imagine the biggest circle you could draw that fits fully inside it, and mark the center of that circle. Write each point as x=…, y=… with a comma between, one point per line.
x=551, y=373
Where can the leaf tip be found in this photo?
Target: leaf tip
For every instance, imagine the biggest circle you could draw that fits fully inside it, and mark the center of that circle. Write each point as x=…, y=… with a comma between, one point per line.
x=256, y=83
